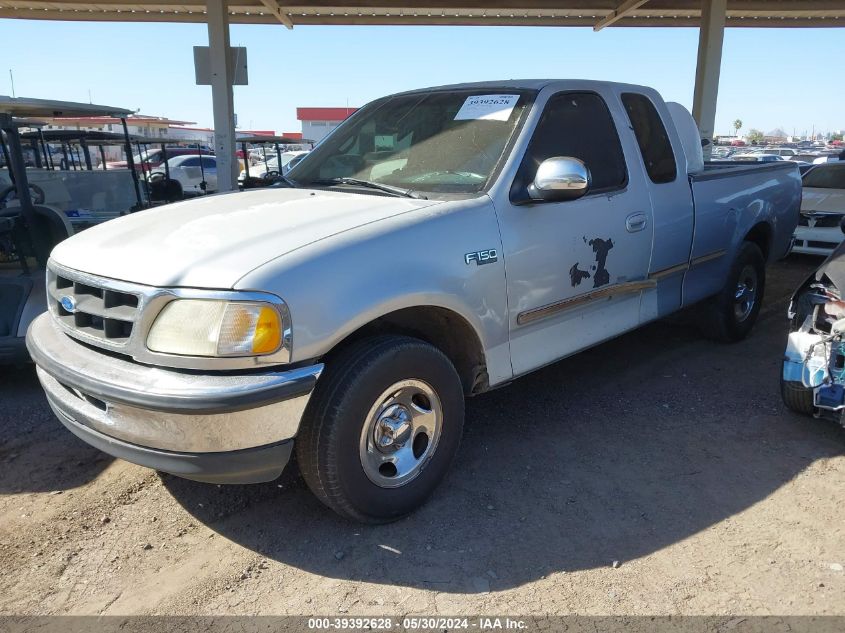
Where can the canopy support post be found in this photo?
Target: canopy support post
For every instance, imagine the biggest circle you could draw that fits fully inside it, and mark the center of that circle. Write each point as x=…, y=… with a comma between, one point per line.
x=710, y=38
x=222, y=76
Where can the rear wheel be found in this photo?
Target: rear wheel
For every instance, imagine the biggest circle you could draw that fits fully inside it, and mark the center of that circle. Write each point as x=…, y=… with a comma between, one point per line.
x=382, y=428
x=730, y=315
x=797, y=397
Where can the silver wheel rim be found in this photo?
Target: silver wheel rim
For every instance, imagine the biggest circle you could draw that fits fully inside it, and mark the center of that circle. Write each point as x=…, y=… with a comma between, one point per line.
x=401, y=433
x=746, y=293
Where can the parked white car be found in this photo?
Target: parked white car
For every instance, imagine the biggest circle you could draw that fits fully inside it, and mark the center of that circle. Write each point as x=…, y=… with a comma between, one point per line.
x=787, y=153
x=827, y=157
x=195, y=174
x=822, y=210
x=289, y=160
x=756, y=158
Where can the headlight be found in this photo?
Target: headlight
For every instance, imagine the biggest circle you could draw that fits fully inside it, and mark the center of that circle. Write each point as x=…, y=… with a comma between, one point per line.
x=200, y=327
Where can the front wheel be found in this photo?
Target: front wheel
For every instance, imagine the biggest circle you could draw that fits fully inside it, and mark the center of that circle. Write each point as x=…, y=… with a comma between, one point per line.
x=382, y=428
x=730, y=315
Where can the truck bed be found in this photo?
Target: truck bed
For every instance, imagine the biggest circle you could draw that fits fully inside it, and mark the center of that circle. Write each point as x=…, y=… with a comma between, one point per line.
x=725, y=169
x=731, y=199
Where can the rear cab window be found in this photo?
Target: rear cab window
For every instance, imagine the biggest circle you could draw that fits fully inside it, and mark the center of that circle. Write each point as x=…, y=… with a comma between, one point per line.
x=826, y=177
x=576, y=124
x=652, y=139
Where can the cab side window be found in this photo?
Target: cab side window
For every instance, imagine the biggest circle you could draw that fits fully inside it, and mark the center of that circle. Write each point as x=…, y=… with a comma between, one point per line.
x=655, y=148
x=576, y=124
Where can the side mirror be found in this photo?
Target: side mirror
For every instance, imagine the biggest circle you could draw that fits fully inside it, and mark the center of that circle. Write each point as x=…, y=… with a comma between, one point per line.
x=560, y=178
x=842, y=224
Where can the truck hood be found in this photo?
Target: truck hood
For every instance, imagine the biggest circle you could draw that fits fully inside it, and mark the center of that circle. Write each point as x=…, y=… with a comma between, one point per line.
x=213, y=241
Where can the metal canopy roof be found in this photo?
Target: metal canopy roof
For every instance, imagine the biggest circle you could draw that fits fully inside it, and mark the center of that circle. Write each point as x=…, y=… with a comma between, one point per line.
x=271, y=140
x=595, y=13
x=74, y=136
x=22, y=107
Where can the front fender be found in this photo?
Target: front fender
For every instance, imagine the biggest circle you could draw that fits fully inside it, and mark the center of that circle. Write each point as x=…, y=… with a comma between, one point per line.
x=338, y=285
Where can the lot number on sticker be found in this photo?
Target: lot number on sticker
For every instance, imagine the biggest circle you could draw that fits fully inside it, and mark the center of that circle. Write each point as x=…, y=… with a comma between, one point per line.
x=487, y=108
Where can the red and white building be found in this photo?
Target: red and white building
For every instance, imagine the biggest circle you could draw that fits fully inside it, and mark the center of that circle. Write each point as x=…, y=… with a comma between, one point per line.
x=318, y=122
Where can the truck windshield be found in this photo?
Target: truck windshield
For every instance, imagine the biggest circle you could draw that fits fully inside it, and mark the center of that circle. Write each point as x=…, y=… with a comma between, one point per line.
x=439, y=141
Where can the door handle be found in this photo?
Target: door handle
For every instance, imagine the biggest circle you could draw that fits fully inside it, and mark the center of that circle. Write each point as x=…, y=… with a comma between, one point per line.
x=636, y=222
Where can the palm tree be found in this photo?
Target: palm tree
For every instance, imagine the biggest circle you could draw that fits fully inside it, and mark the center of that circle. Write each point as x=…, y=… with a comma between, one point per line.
x=737, y=126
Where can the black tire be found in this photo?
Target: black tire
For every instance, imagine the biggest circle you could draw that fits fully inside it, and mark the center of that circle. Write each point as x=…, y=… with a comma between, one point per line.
x=797, y=397
x=718, y=317
x=329, y=441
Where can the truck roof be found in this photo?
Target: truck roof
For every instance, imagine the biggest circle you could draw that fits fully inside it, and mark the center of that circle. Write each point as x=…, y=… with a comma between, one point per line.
x=532, y=84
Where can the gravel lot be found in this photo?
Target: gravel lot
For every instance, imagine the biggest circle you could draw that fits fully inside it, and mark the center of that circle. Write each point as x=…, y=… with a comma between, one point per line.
x=666, y=453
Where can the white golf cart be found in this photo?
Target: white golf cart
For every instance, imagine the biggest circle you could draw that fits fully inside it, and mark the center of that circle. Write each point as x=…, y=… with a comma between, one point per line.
x=40, y=206
x=269, y=166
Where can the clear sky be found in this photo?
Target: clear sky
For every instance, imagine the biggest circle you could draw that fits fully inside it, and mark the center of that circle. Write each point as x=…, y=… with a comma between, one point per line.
x=788, y=78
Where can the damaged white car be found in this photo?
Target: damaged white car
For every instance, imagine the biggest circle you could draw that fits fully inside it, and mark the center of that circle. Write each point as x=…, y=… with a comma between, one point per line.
x=813, y=380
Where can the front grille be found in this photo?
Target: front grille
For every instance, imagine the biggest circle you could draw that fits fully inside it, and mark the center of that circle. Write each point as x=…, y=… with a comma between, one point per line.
x=115, y=316
x=92, y=306
x=822, y=220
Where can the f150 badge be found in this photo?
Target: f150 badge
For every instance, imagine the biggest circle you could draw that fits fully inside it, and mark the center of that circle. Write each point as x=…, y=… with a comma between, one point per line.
x=482, y=257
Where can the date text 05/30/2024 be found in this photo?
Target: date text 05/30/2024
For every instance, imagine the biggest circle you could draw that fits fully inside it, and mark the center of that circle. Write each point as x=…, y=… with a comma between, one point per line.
x=416, y=624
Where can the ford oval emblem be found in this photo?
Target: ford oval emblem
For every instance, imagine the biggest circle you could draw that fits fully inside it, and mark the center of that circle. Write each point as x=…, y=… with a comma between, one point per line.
x=68, y=303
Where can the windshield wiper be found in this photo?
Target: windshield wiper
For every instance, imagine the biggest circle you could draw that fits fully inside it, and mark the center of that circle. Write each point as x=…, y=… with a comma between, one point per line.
x=284, y=181
x=357, y=182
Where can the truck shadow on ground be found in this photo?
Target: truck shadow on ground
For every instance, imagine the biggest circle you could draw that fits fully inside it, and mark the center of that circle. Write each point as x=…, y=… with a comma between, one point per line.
x=608, y=456
x=37, y=454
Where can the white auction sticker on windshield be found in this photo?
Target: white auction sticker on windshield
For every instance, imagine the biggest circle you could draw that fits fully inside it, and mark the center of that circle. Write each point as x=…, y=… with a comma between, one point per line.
x=487, y=108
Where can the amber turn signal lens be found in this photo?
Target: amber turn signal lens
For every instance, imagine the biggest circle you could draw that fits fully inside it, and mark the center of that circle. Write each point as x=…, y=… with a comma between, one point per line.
x=268, y=332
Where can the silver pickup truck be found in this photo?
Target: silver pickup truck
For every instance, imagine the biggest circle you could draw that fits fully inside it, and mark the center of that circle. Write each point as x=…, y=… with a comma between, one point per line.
x=438, y=244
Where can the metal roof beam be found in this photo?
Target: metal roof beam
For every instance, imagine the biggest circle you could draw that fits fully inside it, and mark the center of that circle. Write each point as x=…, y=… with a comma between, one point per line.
x=277, y=12
x=629, y=6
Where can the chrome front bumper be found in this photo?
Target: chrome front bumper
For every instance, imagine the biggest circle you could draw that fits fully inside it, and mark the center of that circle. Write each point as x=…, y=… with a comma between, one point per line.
x=166, y=419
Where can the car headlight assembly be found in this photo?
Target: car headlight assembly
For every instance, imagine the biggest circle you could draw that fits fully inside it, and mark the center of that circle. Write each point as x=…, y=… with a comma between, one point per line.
x=217, y=328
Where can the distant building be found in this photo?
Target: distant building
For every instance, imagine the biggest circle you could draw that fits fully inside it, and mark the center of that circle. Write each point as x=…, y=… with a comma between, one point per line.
x=148, y=127
x=245, y=133
x=775, y=136
x=137, y=124
x=202, y=135
x=318, y=122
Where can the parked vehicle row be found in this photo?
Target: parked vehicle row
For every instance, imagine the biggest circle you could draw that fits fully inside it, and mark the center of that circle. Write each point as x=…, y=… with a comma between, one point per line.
x=152, y=158
x=190, y=174
x=822, y=210
x=272, y=168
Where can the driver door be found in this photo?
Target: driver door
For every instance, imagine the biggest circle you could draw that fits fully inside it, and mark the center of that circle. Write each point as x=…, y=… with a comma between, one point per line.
x=575, y=269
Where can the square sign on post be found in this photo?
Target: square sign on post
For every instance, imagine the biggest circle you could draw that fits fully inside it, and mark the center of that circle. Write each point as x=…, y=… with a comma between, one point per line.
x=202, y=65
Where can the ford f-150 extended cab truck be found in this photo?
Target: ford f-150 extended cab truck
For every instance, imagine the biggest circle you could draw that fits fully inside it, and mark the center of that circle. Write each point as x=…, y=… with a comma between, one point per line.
x=438, y=244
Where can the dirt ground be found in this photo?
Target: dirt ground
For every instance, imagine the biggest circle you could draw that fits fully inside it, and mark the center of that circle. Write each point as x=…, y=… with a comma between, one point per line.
x=664, y=452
